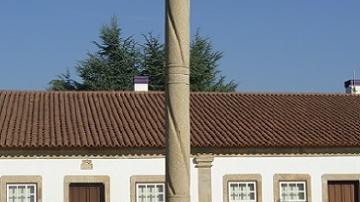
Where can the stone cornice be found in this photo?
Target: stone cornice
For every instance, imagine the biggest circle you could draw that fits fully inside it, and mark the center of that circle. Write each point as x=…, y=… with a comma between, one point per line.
x=147, y=153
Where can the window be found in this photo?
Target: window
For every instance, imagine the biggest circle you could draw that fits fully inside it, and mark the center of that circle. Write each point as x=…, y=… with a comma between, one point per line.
x=21, y=193
x=292, y=188
x=147, y=188
x=150, y=192
x=242, y=188
x=21, y=188
x=242, y=191
x=293, y=191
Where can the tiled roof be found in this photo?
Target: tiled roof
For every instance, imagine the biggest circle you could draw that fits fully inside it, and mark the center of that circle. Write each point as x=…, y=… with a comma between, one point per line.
x=136, y=119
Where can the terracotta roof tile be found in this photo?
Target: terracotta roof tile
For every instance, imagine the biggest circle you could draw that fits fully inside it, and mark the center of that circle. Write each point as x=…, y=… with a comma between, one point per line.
x=136, y=119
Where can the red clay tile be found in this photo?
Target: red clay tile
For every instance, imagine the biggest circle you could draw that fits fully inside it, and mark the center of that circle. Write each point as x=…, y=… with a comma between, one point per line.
x=137, y=119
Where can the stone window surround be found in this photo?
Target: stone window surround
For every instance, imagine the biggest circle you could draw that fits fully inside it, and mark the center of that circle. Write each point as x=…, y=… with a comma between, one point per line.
x=335, y=177
x=291, y=177
x=242, y=178
x=143, y=179
x=21, y=179
x=104, y=179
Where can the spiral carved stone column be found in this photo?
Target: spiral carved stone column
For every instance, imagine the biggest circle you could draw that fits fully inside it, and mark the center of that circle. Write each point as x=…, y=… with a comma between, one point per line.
x=177, y=101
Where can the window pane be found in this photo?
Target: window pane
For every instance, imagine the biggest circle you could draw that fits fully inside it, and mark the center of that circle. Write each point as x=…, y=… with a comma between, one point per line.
x=242, y=191
x=300, y=187
x=141, y=190
x=252, y=196
x=160, y=197
x=160, y=188
x=151, y=192
x=151, y=188
x=31, y=189
x=252, y=187
x=21, y=193
x=292, y=192
x=302, y=196
x=12, y=190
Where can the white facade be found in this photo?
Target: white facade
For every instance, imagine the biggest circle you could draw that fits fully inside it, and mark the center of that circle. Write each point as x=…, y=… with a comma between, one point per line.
x=120, y=171
x=53, y=172
x=353, y=89
x=141, y=87
x=267, y=167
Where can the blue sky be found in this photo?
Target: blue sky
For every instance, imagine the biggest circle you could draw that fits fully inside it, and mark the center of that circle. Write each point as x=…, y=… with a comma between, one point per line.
x=269, y=46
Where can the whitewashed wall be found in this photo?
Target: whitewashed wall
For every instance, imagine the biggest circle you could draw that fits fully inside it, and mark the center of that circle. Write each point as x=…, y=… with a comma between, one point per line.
x=120, y=171
x=268, y=166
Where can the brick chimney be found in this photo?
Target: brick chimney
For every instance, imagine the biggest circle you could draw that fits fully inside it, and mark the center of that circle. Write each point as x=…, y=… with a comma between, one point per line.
x=352, y=86
x=141, y=83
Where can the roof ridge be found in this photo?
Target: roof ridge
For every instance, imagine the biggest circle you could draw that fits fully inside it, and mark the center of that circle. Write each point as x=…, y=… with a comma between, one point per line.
x=81, y=92
x=194, y=93
x=277, y=93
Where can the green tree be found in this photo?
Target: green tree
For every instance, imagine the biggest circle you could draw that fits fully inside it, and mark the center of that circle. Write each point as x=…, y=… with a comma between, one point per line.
x=64, y=82
x=112, y=67
x=118, y=60
x=153, y=62
x=204, y=63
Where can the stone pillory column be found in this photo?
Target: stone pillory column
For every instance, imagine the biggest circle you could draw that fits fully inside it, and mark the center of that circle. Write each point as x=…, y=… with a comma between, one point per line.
x=177, y=101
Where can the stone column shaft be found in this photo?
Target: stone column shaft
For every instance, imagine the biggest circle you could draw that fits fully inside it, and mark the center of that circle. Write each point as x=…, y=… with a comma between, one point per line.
x=177, y=181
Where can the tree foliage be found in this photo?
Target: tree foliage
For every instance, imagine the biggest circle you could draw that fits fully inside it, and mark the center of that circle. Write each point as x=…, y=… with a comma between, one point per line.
x=64, y=82
x=204, y=63
x=119, y=59
x=153, y=62
x=112, y=67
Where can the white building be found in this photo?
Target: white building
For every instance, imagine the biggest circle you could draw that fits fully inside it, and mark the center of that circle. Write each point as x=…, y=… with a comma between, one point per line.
x=109, y=146
x=352, y=86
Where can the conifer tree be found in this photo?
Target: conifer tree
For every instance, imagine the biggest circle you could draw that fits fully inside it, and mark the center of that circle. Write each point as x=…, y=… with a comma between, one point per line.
x=153, y=62
x=119, y=59
x=112, y=67
x=204, y=73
